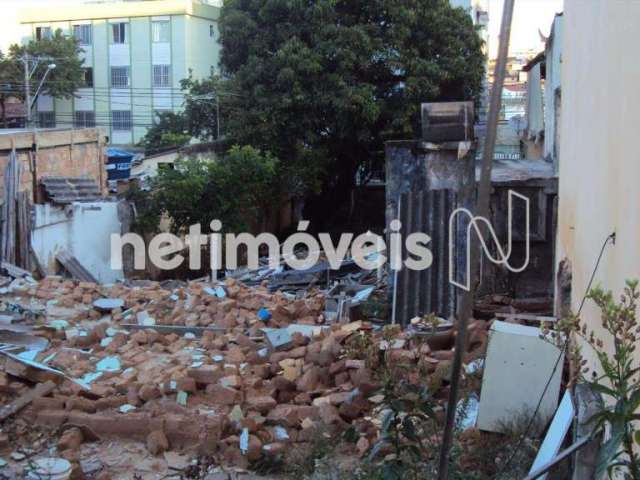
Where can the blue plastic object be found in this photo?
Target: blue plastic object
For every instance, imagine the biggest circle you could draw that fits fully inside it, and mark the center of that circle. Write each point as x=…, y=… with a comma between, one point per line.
x=264, y=314
x=118, y=164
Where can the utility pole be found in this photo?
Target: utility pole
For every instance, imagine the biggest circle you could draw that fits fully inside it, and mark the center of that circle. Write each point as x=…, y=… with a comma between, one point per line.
x=465, y=307
x=26, y=62
x=27, y=87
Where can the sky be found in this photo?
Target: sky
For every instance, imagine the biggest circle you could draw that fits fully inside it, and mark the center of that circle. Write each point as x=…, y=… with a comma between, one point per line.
x=529, y=16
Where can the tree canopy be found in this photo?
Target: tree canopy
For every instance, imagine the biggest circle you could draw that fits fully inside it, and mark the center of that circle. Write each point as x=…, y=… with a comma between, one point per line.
x=60, y=82
x=197, y=119
x=325, y=83
x=322, y=85
x=236, y=189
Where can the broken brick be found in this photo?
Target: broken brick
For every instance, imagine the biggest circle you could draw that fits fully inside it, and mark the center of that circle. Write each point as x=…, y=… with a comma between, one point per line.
x=157, y=442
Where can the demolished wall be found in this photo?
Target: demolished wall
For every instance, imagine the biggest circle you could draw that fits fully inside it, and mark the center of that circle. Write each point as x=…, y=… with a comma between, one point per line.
x=55, y=153
x=82, y=229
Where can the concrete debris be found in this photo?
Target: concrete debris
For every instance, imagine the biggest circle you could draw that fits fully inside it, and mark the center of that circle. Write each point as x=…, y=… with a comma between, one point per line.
x=50, y=468
x=261, y=372
x=108, y=304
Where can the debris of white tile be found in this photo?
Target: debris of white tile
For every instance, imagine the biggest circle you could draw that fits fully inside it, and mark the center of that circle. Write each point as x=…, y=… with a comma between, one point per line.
x=126, y=408
x=145, y=319
x=181, y=398
x=108, y=364
x=280, y=433
x=18, y=456
x=467, y=412
x=474, y=366
x=244, y=441
x=51, y=468
x=108, y=304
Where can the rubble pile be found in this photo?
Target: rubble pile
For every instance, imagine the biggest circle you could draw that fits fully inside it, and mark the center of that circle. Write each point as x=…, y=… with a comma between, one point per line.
x=195, y=304
x=264, y=370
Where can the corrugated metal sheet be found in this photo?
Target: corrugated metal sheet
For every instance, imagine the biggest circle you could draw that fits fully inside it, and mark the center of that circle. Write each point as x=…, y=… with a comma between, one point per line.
x=64, y=190
x=427, y=291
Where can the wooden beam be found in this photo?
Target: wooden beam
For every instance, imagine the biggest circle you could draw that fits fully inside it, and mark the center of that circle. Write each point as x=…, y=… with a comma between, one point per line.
x=74, y=267
x=40, y=390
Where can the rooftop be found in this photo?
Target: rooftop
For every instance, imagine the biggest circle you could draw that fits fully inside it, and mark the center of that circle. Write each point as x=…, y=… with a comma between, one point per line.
x=90, y=11
x=507, y=171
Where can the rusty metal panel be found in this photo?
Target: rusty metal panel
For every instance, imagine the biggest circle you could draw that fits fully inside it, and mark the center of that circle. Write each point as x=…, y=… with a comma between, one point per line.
x=427, y=291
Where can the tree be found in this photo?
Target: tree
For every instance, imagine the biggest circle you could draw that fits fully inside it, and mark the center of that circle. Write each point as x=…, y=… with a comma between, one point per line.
x=60, y=82
x=324, y=84
x=169, y=131
x=198, y=118
x=9, y=73
x=236, y=189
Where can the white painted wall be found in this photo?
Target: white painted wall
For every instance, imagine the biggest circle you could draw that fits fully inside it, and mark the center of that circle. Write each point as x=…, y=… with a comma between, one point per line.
x=121, y=137
x=84, y=230
x=162, y=98
x=161, y=53
x=44, y=103
x=84, y=100
x=535, y=119
x=599, y=156
x=119, y=55
x=552, y=84
x=120, y=99
x=150, y=166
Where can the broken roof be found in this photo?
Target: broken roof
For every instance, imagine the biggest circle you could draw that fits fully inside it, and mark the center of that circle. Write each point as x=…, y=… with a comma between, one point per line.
x=507, y=171
x=65, y=190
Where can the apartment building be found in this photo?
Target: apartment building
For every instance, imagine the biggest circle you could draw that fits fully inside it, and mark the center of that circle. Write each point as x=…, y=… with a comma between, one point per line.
x=135, y=55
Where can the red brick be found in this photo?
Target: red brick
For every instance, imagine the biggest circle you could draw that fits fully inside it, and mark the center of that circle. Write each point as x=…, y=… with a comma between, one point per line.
x=262, y=404
x=220, y=395
x=52, y=418
x=157, y=442
x=207, y=374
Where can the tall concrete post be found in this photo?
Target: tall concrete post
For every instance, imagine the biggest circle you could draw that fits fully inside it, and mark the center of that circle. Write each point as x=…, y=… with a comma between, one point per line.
x=426, y=180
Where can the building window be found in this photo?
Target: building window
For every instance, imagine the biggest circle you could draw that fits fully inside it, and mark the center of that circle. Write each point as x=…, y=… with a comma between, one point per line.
x=121, y=119
x=161, y=75
x=43, y=33
x=84, y=119
x=120, y=77
x=119, y=32
x=160, y=32
x=82, y=33
x=46, y=119
x=212, y=32
x=88, y=77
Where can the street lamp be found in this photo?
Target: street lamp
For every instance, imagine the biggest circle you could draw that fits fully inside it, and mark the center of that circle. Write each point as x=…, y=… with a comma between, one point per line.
x=50, y=67
x=31, y=102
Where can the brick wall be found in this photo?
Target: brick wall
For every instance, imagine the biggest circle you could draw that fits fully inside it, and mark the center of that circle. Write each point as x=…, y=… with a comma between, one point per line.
x=56, y=153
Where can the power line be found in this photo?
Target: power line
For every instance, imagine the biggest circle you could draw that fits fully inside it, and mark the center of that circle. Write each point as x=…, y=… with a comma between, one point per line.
x=219, y=90
x=116, y=94
x=113, y=100
x=102, y=124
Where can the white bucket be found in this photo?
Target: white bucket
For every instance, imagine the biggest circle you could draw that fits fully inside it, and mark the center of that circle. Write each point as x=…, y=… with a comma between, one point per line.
x=50, y=469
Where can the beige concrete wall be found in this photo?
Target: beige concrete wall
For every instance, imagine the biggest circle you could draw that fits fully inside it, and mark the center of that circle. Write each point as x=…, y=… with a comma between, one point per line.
x=599, y=189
